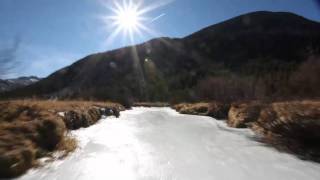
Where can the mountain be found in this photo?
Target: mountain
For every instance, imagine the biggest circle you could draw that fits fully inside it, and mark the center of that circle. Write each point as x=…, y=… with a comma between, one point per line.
x=260, y=47
x=11, y=84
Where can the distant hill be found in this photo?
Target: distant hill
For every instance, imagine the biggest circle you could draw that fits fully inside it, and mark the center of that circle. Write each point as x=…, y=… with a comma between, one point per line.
x=260, y=47
x=11, y=84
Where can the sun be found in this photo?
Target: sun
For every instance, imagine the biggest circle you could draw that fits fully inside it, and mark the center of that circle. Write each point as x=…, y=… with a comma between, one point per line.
x=128, y=19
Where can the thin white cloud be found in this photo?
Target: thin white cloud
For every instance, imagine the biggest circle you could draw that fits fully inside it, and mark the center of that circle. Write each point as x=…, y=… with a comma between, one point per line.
x=42, y=61
x=156, y=5
x=158, y=17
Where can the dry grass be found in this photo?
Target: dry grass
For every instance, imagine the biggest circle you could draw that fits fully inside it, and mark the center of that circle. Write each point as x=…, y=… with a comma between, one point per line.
x=292, y=127
x=192, y=109
x=33, y=129
x=213, y=109
x=241, y=115
x=67, y=145
x=150, y=104
x=60, y=106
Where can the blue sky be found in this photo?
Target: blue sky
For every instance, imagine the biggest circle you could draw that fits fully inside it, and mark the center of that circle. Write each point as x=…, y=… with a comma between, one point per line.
x=55, y=33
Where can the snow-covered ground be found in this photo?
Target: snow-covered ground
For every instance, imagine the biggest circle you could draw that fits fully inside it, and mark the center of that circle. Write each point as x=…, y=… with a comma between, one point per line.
x=158, y=143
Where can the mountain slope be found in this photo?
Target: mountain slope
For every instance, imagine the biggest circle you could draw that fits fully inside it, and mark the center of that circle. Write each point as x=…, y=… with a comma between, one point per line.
x=253, y=45
x=11, y=84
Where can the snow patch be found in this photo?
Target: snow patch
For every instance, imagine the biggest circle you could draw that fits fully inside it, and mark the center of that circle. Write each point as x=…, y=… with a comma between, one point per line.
x=62, y=114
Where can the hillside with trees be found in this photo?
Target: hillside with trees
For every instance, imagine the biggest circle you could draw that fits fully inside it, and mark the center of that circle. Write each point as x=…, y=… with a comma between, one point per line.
x=260, y=55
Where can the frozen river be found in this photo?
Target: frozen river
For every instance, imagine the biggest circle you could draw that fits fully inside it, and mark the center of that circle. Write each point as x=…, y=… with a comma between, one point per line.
x=160, y=144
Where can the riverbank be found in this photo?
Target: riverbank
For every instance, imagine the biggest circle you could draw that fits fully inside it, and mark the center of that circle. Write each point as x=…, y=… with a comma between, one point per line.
x=30, y=130
x=292, y=126
x=158, y=143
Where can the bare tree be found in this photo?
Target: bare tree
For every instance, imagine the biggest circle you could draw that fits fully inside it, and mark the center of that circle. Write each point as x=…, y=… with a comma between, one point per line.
x=8, y=60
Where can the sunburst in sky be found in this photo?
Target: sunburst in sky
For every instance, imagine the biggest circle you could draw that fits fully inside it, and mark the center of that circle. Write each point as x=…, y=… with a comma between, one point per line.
x=129, y=18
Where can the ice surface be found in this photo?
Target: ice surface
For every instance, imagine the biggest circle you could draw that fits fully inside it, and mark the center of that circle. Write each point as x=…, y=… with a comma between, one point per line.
x=158, y=143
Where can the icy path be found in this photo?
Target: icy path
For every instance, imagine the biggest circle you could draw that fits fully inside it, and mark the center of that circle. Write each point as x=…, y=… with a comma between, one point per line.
x=158, y=143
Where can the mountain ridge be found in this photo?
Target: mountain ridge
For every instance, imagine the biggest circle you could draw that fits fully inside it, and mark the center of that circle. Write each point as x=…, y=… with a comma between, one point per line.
x=11, y=84
x=246, y=18
x=159, y=69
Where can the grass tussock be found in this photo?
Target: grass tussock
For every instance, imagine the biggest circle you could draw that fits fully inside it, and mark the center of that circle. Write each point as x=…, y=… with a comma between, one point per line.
x=67, y=145
x=192, y=109
x=30, y=130
x=214, y=109
x=241, y=115
x=150, y=104
x=292, y=127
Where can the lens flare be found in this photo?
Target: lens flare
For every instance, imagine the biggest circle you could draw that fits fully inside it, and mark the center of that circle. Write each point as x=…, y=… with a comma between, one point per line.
x=129, y=17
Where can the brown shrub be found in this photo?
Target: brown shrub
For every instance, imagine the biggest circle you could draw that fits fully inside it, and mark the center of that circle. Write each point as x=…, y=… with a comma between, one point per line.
x=242, y=114
x=225, y=89
x=272, y=81
x=305, y=82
